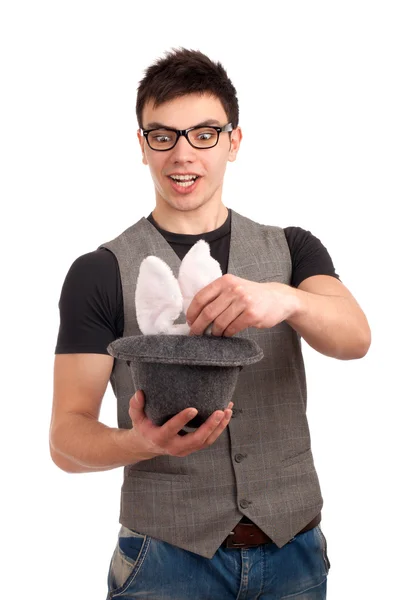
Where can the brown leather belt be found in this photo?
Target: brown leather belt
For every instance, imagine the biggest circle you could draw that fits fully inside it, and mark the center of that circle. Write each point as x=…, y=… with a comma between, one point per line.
x=248, y=535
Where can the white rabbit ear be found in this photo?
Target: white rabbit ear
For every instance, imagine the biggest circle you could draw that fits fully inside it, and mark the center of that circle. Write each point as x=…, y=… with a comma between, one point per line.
x=158, y=297
x=197, y=270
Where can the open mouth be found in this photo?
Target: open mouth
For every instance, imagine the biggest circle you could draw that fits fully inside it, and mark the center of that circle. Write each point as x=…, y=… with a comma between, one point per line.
x=184, y=181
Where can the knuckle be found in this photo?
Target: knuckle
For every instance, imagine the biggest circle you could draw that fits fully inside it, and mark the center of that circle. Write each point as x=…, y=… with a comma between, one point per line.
x=218, y=325
x=208, y=311
x=229, y=278
x=251, y=313
x=238, y=288
x=244, y=295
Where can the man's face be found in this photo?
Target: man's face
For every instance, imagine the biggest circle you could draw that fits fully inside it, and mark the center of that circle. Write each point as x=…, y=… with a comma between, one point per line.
x=209, y=164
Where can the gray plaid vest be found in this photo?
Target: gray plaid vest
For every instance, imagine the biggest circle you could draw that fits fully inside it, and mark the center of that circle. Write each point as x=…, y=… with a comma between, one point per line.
x=261, y=466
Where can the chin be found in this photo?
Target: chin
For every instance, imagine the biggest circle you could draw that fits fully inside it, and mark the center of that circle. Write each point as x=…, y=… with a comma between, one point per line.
x=186, y=204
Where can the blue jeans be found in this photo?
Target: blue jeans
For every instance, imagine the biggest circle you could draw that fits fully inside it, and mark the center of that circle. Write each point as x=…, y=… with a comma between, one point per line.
x=145, y=567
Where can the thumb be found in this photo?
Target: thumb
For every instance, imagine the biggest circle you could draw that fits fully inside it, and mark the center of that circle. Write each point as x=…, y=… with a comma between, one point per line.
x=136, y=404
x=138, y=397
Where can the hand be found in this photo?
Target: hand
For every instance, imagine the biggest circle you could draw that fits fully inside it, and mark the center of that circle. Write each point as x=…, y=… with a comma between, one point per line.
x=232, y=304
x=151, y=440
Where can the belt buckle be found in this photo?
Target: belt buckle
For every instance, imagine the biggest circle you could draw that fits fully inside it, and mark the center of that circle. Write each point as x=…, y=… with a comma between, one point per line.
x=229, y=543
x=232, y=545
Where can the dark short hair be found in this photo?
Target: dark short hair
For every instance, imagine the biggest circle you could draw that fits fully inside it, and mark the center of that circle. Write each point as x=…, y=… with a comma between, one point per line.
x=184, y=72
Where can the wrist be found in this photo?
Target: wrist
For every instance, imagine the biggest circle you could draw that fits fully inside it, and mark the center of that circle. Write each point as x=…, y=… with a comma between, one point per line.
x=288, y=298
x=129, y=445
x=296, y=304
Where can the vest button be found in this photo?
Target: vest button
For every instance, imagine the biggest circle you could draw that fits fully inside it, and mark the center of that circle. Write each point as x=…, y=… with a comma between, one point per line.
x=240, y=457
x=244, y=503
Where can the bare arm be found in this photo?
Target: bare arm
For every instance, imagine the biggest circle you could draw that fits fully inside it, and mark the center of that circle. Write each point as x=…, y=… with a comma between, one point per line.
x=328, y=317
x=79, y=443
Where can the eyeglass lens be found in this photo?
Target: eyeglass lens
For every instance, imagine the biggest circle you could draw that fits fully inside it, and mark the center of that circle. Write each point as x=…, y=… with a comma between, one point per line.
x=203, y=137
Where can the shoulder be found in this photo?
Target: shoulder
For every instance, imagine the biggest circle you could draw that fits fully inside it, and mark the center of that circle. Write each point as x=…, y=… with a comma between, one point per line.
x=309, y=255
x=299, y=238
x=98, y=263
x=97, y=259
x=297, y=235
x=92, y=274
x=91, y=311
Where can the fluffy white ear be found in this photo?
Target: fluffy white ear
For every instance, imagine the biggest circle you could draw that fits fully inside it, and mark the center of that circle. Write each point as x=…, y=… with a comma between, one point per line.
x=197, y=270
x=158, y=298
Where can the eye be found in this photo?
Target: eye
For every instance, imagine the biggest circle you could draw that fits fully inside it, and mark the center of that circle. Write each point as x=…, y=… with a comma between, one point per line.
x=160, y=138
x=204, y=136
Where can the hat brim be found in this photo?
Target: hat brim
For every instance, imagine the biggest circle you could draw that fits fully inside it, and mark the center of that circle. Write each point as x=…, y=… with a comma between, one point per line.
x=187, y=350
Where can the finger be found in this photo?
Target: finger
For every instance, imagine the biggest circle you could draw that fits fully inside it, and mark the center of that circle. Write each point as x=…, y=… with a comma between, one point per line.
x=195, y=441
x=211, y=312
x=206, y=295
x=219, y=429
x=171, y=427
x=242, y=321
x=230, y=315
x=136, y=408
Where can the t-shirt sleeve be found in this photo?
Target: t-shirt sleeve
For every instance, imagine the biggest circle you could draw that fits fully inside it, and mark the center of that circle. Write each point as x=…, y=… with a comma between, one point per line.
x=90, y=305
x=309, y=255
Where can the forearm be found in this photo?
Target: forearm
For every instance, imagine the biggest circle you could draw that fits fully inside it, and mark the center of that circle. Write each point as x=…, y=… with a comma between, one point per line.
x=333, y=325
x=82, y=444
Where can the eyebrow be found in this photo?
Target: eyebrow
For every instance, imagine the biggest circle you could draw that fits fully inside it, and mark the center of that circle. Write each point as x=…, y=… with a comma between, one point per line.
x=207, y=123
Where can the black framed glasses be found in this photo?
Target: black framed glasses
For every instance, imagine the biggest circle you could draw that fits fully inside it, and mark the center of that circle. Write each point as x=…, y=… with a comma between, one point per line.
x=165, y=138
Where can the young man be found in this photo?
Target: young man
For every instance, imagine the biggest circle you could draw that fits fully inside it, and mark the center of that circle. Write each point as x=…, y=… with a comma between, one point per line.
x=231, y=510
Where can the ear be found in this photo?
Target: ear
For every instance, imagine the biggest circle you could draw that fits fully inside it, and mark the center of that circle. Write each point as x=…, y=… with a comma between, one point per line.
x=197, y=270
x=158, y=297
x=142, y=143
x=236, y=138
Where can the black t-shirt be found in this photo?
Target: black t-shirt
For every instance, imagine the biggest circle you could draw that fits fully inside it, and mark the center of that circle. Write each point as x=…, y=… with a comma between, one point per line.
x=91, y=302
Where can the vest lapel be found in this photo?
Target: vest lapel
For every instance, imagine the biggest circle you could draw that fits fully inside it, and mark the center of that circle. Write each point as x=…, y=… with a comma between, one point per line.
x=157, y=245
x=238, y=249
x=247, y=256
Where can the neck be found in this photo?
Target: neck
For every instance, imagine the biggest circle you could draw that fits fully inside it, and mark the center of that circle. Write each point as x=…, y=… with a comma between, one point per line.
x=191, y=222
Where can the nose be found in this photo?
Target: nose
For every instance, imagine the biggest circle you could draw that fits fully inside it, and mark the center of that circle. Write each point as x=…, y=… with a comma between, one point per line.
x=183, y=151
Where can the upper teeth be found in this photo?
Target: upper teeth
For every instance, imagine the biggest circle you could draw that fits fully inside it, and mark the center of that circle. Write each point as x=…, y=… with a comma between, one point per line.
x=183, y=177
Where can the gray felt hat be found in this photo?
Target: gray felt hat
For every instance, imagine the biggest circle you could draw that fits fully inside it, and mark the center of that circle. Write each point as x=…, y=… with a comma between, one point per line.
x=179, y=371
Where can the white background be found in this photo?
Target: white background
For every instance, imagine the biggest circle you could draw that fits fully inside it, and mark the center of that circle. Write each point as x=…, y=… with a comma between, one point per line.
x=318, y=88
